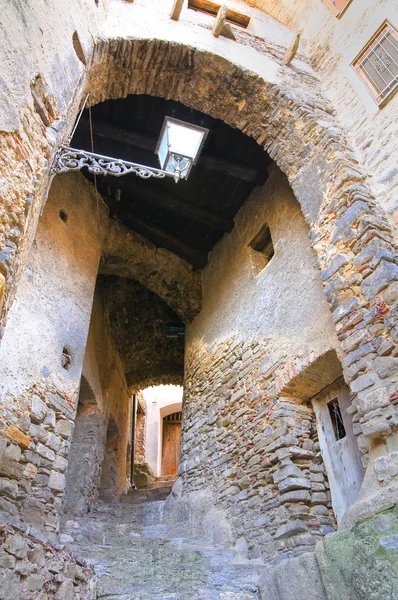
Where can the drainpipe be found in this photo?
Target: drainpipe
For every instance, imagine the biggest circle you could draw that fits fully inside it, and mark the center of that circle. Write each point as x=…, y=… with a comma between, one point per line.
x=133, y=441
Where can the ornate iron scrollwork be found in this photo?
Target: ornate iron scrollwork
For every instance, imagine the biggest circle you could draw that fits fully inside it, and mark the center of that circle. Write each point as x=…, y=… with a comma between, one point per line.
x=71, y=159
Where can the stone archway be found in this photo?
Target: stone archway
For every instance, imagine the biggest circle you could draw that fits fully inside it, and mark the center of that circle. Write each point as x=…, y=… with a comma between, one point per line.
x=286, y=113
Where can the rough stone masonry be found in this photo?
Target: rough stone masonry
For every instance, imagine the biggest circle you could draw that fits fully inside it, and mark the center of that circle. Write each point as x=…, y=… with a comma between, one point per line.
x=252, y=473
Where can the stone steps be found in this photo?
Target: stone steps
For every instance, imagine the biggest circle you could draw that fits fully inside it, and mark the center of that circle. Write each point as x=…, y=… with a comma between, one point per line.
x=135, y=557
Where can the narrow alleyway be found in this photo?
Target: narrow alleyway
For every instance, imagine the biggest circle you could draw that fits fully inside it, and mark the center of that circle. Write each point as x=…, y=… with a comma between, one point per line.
x=136, y=556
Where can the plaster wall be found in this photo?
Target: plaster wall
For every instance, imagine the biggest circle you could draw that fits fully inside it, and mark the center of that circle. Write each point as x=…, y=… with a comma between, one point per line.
x=41, y=356
x=250, y=455
x=332, y=44
x=40, y=90
x=110, y=400
x=285, y=302
x=55, y=296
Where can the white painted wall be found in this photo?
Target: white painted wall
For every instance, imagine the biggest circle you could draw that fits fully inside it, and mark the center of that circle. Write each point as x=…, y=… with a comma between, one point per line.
x=161, y=401
x=332, y=44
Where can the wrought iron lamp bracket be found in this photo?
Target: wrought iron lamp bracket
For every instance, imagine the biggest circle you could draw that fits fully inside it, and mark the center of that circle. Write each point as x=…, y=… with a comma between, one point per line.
x=71, y=159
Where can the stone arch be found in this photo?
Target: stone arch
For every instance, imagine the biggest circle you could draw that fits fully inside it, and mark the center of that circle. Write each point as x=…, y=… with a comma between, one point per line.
x=109, y=490
x=127, y=254
x=86, y=453
x=284, y=110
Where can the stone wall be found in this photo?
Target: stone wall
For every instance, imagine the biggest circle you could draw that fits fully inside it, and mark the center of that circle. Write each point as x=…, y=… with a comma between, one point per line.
x=104, y=399
x=42, y=352
x=251, y=446
x=41, y=90
x=33, y=565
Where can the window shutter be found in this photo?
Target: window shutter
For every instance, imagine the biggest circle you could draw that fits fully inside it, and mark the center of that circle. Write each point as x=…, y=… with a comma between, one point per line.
x=341, y=4
x=337, y=6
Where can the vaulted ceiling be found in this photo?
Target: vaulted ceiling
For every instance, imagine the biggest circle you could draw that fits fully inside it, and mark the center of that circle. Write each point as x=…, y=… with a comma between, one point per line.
x=187, y=218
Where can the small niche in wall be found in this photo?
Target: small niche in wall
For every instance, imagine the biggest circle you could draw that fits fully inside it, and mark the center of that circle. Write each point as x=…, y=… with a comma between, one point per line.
x=66, y=358
x=63, y=215
x=262, y=249
x=337, y=419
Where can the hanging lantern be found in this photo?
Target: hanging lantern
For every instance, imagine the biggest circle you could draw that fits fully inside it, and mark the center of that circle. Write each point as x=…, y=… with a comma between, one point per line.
x=179, y=146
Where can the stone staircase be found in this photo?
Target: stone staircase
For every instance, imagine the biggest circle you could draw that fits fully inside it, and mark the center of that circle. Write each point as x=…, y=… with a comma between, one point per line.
x=136, y=556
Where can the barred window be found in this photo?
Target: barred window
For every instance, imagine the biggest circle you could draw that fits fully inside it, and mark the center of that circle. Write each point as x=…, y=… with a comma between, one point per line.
x=337, y=6
x=377, y=64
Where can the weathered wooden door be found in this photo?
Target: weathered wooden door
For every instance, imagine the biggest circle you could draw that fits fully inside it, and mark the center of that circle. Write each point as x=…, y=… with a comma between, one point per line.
x=339, y=446
x=171, y=444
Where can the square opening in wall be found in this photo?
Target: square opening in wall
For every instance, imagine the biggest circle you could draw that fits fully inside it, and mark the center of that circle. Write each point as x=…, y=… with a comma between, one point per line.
x=337, y=419
x=262, y=249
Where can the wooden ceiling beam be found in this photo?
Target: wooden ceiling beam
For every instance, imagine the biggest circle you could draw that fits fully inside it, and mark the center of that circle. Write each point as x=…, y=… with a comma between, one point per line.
x=146, y=193
x=236, y=17
x=147, y=142
x=197, y=258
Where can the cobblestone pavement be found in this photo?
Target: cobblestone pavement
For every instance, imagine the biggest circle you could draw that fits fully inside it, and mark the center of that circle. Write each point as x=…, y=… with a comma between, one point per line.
x=136, y=556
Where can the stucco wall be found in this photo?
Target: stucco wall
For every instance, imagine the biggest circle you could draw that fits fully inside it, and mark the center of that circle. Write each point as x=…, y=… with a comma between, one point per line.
x=332, y=44
x=285, y=302
x=38, y=385
x=249, y=446
x=40, y=91
x=108, y=399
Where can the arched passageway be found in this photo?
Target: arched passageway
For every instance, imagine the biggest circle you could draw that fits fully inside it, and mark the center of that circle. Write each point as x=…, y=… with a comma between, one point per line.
x=252, y=470
x=285, y=112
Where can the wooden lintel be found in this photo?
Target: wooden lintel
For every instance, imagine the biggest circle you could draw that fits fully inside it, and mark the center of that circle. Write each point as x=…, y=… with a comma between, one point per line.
x=233, y=16
x=197, y=258
x=176, y=10
x=146, y=193
x=147, y=142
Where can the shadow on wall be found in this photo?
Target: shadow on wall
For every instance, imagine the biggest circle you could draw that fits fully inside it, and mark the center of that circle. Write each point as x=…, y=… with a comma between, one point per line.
x=109, y=478
x=86, y=454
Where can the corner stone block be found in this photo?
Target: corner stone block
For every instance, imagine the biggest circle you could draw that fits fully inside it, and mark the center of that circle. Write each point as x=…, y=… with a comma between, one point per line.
x=385, y=273
x=367, y=401
x=64, y=429
x=57, y=481
x=38, y=409
x=294, y=483
x=386, y=467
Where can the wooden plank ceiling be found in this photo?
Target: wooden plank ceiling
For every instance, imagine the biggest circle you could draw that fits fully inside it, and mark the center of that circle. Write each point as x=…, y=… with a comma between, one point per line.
x=187, y=218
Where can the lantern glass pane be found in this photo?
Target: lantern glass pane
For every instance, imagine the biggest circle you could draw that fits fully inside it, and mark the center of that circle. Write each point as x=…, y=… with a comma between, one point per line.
x=184, y=140
x=163, y=149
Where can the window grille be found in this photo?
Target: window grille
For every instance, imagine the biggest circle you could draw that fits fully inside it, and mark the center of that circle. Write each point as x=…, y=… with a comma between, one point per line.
x=337, y=419
x=377, y=64
x=174, y=418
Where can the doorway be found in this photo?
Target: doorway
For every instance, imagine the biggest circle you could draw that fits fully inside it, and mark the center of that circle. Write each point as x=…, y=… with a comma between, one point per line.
x=171, y=443
x=339, y=446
